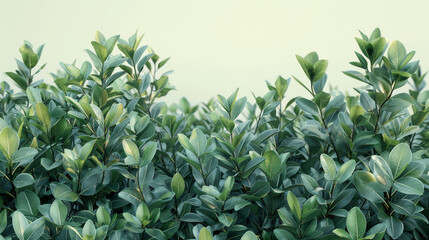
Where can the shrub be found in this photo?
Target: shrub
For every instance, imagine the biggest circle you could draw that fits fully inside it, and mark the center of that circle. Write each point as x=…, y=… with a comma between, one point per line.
x=98, y=156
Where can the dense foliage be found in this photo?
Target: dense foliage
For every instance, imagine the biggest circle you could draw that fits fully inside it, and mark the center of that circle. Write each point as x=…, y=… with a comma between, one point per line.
x=99, y=156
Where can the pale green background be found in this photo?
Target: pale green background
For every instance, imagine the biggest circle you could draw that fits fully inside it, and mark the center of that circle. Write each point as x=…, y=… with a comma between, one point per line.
x=216, y=46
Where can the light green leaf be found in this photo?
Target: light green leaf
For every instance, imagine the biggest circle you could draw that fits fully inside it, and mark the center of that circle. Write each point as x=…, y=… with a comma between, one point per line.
x=249, y=235
x=131, y=149
x=23, y=180
x=3, y=220
x=396, y=53
x=43, y=114
x=184, y=141
x=199, y=141
x=281, y=86
x=28, y=202
x=114, y=115
x=19, y=223
x=319, y=69
x=9, y=142
x=394, y=226
x=293, y=203
x=178, y=184
x=35, y=230
x=328, y=166
x=86, y=150
x=404, y=206
x=103, y=217
x=399, y=158
x=63, y=192
x=148, y=153
x=227, y=187
x=24, y=155
x=272, y=164
x=205, y=234
x=356, y=223
x=345, y=171
x=100, y=50
x=58, y=212
x=355, y=112
x=307, y=106
x=342, y=233
x=89, y=229
x=409, y=185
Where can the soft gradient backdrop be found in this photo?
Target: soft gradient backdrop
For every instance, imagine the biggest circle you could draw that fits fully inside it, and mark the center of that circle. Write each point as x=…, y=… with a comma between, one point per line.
x=216, y=46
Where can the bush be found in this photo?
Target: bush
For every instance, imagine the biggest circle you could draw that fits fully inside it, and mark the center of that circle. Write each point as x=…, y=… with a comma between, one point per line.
x=98, y=156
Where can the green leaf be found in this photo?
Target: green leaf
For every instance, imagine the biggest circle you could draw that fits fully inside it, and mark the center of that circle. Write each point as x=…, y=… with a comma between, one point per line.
x=282, y=234
x=399, y=158
x=396, y=53
x=404, y=207
x=103, y=217
x=366, y=184
x=18, y=79
x=409, y=185
x=63, y=192
x=43, y=114
x=382, y=170
x=156, y=233
x=3, y=221
x=28, y=202
x=75, y=104
x=100, y=50
x=86, y=150
x=310, y=184
x=178, y=185
x=143, y=214
x=356, y=223
x=293, y=203
x=272, y=164
x=307, y=106
x=378, y=46
x=19, y=223
x=328, y=166
x=306, y=66
x=227, y=123
x=249, y=235
x=29, y=57
x=184, y=141
x=199, y=141
x=281, y=86
x=35, y=230
x=345, y=171
x=23, y=180
x=205, y=234
x=320, y=69
x=9, y=142
x=259, y=190
x=322, y=99
x=342, y=233
x=394, y=226
x=131, y=149
x=33, y=95
x=58, y=212
x=131, y=195
x=148, y=153
x=89, y=230
x=114, y=115
x=238, y=107
x=72, y=70
x=355, y=112
x=127, y=50
x=227, y=187
x=97, y=114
